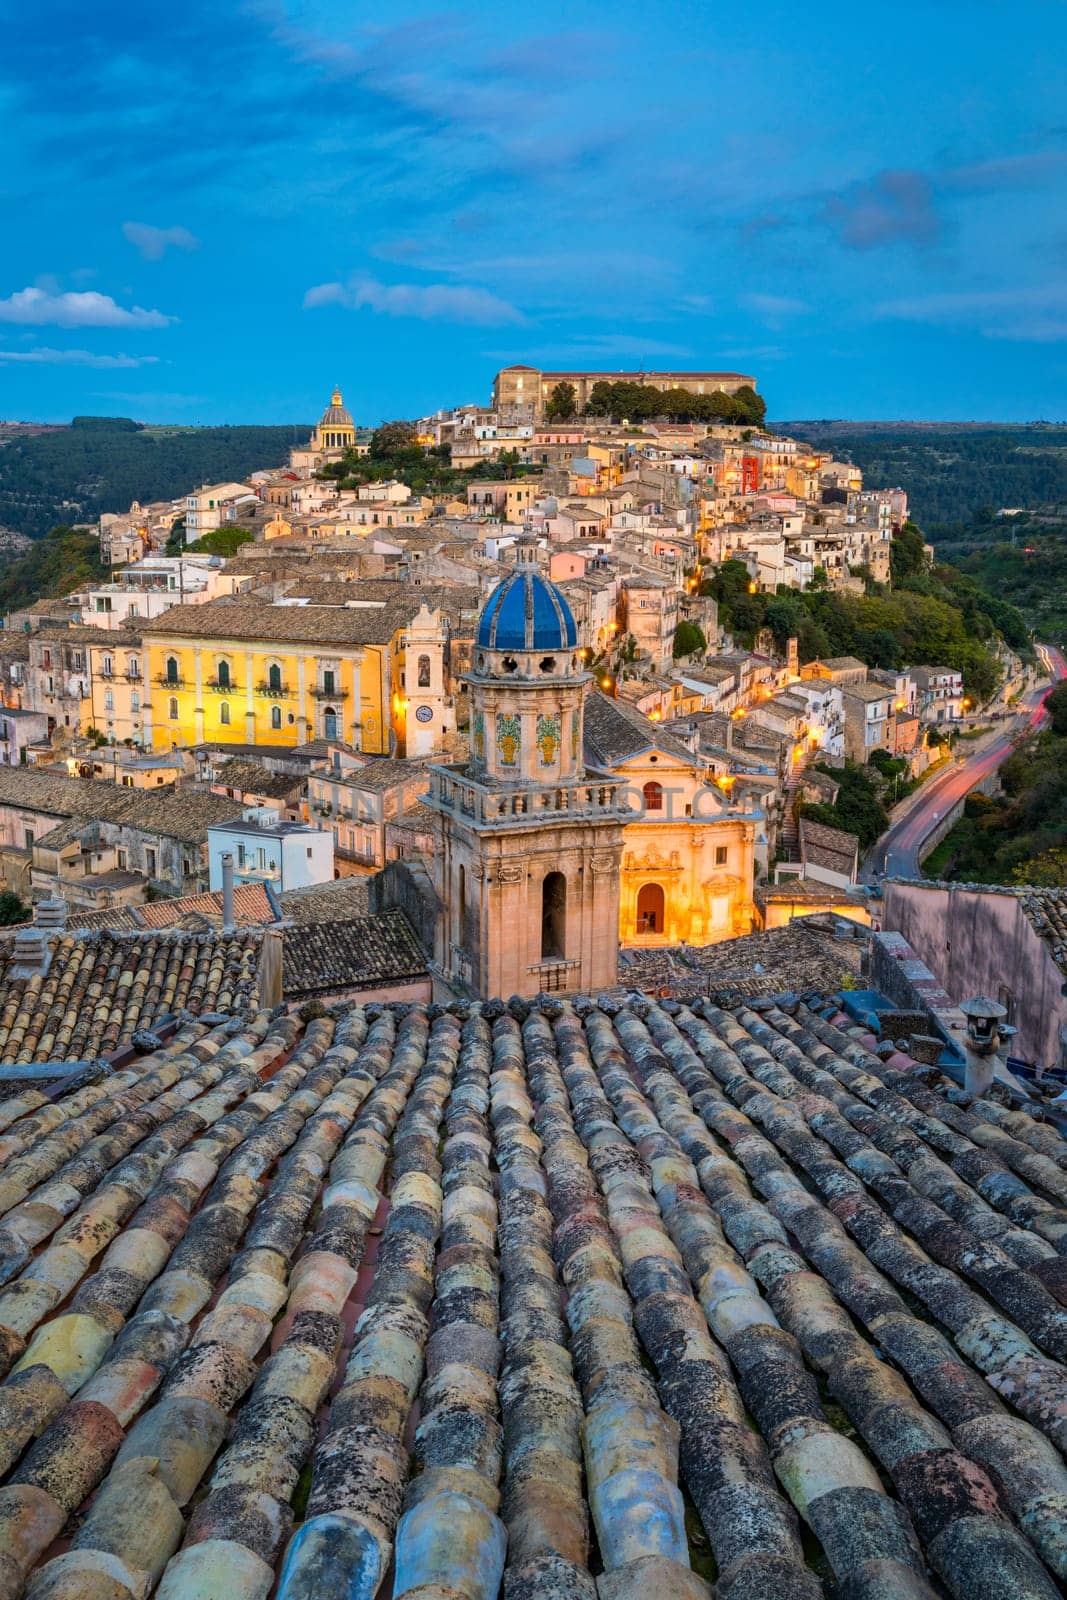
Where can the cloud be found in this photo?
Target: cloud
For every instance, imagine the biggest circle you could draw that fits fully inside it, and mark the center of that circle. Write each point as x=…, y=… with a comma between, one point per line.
x=1027, y=171
x=430, y=302
x=894, y=207
x=43, y=356
x=36, y=307
x=774, y=305
x=153, y=243
x=1036, y=313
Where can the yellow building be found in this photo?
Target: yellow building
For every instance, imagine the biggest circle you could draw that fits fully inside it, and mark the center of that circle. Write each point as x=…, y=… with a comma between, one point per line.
x=245, y=671
x=688, y=854
x=118, y=704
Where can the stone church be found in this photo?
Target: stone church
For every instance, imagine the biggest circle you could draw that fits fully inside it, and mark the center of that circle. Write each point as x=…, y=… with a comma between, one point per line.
x=527, y=876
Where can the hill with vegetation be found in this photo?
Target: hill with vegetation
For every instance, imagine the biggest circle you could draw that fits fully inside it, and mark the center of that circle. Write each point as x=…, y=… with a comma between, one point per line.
x=954, y=472
x=68, y=475
x=936, y=616
x=1021, y=835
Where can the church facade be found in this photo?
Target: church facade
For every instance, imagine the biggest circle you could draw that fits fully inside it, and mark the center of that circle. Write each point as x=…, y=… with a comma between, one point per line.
x=527, y=875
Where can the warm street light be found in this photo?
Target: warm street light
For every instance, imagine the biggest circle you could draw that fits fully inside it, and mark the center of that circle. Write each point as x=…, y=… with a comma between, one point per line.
x=753, y=587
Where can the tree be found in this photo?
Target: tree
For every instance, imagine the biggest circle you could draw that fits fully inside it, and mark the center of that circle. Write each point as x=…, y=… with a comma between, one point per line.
x=391, y=437
x=688, y=640
x=1056, y=706
x=12, y=909
x=224, y=541
x=820, y=578
x=562, y=403
x=176, y=537
x=907, y=558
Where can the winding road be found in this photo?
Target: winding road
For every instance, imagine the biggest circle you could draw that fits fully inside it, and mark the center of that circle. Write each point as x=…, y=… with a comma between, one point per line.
x=896, y=853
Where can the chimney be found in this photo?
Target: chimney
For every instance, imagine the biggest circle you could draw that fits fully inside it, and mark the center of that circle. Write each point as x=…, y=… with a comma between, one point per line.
x=31, y=953
x=983, y=1039
x=228, y=922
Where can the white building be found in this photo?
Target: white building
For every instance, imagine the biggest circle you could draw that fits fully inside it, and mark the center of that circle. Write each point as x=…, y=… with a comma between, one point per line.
x=286, y=855
x=206, y=508
x=148, y=588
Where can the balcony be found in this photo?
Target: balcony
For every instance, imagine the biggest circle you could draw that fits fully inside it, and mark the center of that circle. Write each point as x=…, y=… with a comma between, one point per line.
x=319, y=693
x=166, y=682
x=213, y=686
x=453, y=791
x=132, y=677
x=271, y=691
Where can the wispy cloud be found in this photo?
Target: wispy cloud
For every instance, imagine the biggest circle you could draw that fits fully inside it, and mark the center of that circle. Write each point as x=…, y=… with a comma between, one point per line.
x=153, y=243
x=774, y=305
x=1036, y=313
x=43, y=356
x=38, y=307
x=894, y=207
x=430, y=302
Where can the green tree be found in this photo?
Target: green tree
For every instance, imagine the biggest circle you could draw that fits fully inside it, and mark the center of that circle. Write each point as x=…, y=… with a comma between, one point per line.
x=562, y=402
x=391, y=437
x=224, y=541
x=176, y=537
x=688, y=640
x=907, y=558
x=1056, y=706
x=12, y=909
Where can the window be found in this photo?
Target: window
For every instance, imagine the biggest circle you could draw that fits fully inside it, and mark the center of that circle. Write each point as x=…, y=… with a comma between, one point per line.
x=274, y=676
x=329, y=723
x=120, y=859
x=309, y=852
x=424, y=672
x=172, y=669
x=224, y=712
x=172, y=709
x=224, y=674
x=240, y=855
x=135, y=700
x=722, y=855
x=653, y=793
x=275, y=716
x=328, y=681
x=27, y=837
x=150, y=863
x=554, y=917
x=109, y=700
x=107, y=666
x=133, y=667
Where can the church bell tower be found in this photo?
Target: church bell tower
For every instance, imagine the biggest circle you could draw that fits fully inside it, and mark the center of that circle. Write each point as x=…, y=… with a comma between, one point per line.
x=527, y=878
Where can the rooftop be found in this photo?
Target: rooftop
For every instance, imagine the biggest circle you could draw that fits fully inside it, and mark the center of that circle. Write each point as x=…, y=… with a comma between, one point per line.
x=300, y=1296
x=339, y=957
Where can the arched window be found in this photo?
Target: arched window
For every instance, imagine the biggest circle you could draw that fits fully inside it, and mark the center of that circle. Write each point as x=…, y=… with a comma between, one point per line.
x=274, y=676
x=275, y=716
x=172, y=669
x=653, y=793
x=172, y=709
x=329, y=723
x=224, y=674
x=224, y=712
x=651, y=908
x=424, y=672
x=554, y=917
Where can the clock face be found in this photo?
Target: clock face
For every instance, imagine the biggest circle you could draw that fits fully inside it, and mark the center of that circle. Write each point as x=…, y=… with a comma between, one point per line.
x=424, y=713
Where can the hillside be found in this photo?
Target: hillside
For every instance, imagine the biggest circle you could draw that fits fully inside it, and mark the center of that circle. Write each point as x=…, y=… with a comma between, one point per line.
x=100, y=464
x=954, y=472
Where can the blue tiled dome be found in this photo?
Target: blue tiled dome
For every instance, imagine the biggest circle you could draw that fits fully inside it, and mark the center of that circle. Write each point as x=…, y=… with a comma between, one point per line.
x=525, y=612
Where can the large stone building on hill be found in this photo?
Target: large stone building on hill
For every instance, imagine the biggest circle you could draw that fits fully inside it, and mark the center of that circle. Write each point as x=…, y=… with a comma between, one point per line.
x=522, y=388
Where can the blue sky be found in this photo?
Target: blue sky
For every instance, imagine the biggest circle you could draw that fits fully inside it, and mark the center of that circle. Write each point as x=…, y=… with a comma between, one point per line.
x=215, y=211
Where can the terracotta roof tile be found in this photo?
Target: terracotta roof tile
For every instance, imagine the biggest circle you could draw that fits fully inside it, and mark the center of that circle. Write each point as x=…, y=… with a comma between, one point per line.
x=444, y=1291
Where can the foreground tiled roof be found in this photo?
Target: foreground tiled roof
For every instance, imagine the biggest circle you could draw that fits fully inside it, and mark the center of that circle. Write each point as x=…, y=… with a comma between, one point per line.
x=494, y=1300
x=366, y=952
x=101, y=988
x=1047, y=912
x=251, y=904
x=798, y=956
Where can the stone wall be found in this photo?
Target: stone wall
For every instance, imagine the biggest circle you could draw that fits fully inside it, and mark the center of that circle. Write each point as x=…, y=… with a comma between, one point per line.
x=979, y=940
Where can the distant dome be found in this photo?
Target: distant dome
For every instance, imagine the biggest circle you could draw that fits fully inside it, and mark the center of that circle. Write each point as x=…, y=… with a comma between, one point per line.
x=526, y=612
x=336, y=414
